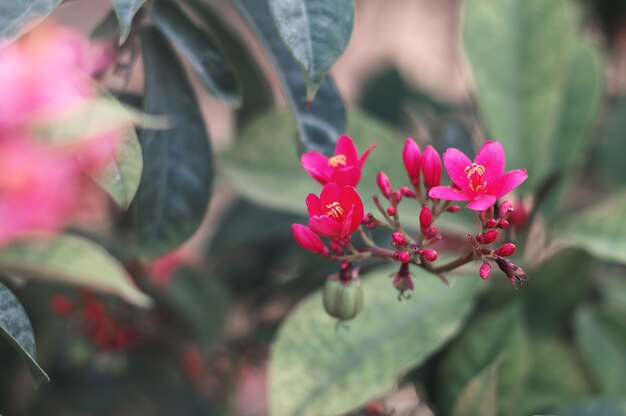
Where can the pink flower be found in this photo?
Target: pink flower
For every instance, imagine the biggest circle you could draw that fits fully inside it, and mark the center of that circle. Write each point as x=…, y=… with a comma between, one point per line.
x=482, y=181
x=308, y=240
x=344, y=168
x=337, y=213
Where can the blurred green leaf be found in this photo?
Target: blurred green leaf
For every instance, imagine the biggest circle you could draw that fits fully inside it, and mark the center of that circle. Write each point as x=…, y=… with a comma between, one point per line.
x=255, y=91
x=316, y=33
x=204, y=301
x=312, y=360
x=498, y=334
x=595, y=407
x=206, y=57
x=175, y=188
x=18, y=17
x=600, y=229
x=556, y=376
x=613, y=290
x=320, y=123
x=519, y=51
x=604, y=349
x=15, y=327
x=479, y=396
x=70, y=259
x=615, y=146
x=125, y=11
x=568, y=273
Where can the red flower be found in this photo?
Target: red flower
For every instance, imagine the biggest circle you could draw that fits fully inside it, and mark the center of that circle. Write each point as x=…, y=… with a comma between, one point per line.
x=344, y=168
x=308, y=240
x=412, y=158
x=337, y=213
x=482, y=181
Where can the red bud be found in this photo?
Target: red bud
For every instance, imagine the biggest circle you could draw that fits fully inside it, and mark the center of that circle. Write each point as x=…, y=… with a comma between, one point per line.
x=488, y=237
x=308, y=240
x=408, y=192
x=485, y=270
x=392, y=211
x=454, y=208
x=404, y=257
x=491, y=223
x=430, y=255
x=431, y=167
x=399, y=239
x=506, y=250
x=426, y=217
x=412, y=158
x=384, y=184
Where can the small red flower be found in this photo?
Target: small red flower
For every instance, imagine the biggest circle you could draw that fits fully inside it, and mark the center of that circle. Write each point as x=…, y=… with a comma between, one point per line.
x=308, y=240
x=337, y=213
x=344, y=168
x=481, y=181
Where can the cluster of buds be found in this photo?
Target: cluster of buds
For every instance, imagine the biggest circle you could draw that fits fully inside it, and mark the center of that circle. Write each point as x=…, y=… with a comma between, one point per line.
x=338, y=213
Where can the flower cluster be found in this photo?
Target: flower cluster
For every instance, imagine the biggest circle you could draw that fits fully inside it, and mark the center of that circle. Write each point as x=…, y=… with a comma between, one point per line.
x=337, y=213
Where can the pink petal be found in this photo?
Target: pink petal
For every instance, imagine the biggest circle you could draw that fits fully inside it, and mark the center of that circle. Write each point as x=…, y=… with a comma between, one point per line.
x=346, y=229
x=350, y=199
x=483, y=203
x=491, y=157
x=448, y=193
x=316, y=165
x=455, y=162
x=509, y=181
x=324, y=226
x=308, y=240
x=331, y=192
x=365, y=155
x=313, y=205
x=345, y=146
x=347, y=176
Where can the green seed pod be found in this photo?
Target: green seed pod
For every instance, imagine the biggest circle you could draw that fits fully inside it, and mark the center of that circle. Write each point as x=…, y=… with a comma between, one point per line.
x=343, y=300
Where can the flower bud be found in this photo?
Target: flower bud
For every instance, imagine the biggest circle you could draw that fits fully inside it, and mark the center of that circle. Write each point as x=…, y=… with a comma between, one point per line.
x=506, y=250
x=503, y=224
x=430, y=232
x=426, y=217
x=488, y=237
x=431, y=167
x=343, y=299
x=408, y=192
x=453, y=208
x=485, y=271
x=384, y=184
x=398, y=238
x=491, y=223
x=308, y=240
x=430, y=254
x=412, y=158
x=403, y=256
x=392, y=211
x=504, y=208
x=516, y=275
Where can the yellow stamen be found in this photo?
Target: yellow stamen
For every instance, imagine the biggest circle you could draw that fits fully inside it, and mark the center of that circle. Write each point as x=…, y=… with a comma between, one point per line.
x=334, y=210
x=337, y=160
x=475, y=175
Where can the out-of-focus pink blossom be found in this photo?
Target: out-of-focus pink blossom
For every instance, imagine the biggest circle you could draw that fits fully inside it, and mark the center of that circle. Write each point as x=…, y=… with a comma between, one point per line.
x=337, y=213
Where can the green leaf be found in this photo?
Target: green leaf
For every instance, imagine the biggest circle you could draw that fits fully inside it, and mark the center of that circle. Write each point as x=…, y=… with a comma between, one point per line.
x=519, y=51
x=604, y=350
x=568, y=273
x=18, y=17
x=595, y=407
x=600, y=229
x=70, y=259
x=320, y=123
x=206, y=57
x=125, y=11
x=176, y=182
x=499, y=334
x=615, y=146
x=316, y=33
x=556, y=376
x=316, y=368
x=479, y=397
x=15, y=327
x=204, y=301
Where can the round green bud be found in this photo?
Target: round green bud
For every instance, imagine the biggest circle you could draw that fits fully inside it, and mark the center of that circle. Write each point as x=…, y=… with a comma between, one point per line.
x=343, y=300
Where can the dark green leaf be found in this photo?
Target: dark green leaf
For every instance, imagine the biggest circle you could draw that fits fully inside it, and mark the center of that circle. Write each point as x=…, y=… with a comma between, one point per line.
x=176, y=182
x=595, y=407
x=319, y=369
x=479, y=397
x=615, y=146
x=316, y=33
x=15, y=327
x=601, y=229
x=604, y=349
x=499, y=334
x=70, y=259
x=125, y=11
x=519, y=51
x=17, y=17
x=319, y=124
x=205, y=56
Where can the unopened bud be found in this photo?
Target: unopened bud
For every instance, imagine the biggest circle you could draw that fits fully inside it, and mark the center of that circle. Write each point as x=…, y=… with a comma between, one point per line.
x=491, y=223
x=430, y=233
x=426, y=217
x=408, y=192
x=384, y=184
x=503, y=224
x=392, y=211
x=308, y=240
x=430, y=255
x=398, y=238
x=343, y=299
x=399, y=196
x=506, y=250
x=431, y=167
x=403, y=256
x=412, y=158
x=505, y=208
x=488, y=237
x=485, y=270
x=453, y=208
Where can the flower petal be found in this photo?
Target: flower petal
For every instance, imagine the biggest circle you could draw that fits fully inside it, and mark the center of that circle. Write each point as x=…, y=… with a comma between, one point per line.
x=448, y=193
x=483, y=203
x=351, y=200
x=491, y=157
x=324, y=226
x=456, y=162
x=345, y=146
x=346, y=228
x=308, y=240
x=331, y=192
x=347, y=176
x=313, y=205
x=316, y=165
x=364, y=156
x=509, y=181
